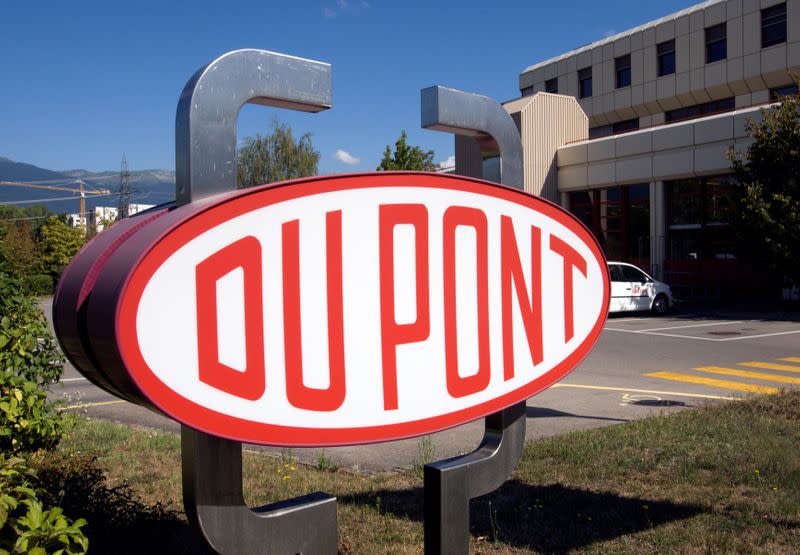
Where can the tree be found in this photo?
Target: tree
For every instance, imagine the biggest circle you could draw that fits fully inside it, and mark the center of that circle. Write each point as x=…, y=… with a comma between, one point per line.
x=276, y=157
x=767, y=204
x=406, y=157
x=58, y=243
x=17, y=248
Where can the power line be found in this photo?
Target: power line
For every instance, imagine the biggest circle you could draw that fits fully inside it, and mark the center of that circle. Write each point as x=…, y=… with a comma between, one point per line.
x=44, y=200
x=68, y=179
x=29, y=218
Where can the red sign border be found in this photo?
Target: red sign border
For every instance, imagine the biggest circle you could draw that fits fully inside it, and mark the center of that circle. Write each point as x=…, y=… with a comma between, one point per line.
x=225, y=207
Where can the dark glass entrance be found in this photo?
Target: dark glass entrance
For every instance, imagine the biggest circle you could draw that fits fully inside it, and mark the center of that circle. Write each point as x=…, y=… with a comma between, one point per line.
x=700, y=258
x=620, y=219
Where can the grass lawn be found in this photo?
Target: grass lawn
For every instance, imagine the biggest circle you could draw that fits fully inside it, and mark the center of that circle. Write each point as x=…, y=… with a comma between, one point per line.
x=724, y=478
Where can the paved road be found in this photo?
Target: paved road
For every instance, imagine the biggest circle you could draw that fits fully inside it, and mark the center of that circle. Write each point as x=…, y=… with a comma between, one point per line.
x=641, y=365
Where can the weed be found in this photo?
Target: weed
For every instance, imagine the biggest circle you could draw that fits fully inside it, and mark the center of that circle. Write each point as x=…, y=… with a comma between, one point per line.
x=426, y=451
x=324, y=462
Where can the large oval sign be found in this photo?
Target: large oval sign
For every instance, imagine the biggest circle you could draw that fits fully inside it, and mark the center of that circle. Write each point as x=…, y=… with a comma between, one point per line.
x=353, y=309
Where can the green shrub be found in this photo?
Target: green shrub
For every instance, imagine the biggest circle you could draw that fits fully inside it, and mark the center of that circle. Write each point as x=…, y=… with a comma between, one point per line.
x=27, y=348
x=119, y=521
x=38, y=284
x=25, y=525
x=27, y=421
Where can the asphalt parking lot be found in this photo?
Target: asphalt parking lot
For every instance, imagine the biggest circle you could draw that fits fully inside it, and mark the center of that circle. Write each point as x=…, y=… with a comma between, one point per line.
x=641, y=365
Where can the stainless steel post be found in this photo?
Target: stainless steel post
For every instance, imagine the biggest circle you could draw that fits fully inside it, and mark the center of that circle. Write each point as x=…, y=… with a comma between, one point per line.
x=450, y=484
x=205, y=145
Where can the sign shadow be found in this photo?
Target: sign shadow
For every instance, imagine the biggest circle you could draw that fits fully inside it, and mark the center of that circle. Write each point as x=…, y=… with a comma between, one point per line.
x=542, y=518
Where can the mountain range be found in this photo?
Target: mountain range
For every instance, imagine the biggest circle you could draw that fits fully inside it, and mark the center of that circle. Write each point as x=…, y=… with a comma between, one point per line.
x=150, y=186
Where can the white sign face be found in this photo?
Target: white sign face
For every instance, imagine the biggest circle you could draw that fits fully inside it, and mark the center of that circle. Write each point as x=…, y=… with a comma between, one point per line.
x=362, y=308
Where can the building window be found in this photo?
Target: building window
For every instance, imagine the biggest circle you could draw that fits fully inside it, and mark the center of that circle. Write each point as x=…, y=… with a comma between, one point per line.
x=623, y=69
x=625, y=126
x=614, y=129
x=716, y=43
x=773, y=25
x=585, y=82
x=666, y=58
x=700, y=110
x=779, y=92
x=551, y=86
x=527, y=91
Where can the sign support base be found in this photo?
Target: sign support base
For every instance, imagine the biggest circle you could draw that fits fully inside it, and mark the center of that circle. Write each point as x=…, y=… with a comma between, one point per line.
x=214, y=503
x=451, y=483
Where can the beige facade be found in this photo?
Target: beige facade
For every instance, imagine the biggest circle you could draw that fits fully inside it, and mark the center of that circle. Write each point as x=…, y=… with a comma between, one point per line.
x=686, y=149
x=746, y=73
x=651, y=133
x=564, y=122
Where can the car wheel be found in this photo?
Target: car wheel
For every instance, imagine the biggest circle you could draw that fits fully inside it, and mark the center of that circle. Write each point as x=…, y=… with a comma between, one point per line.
x=660, y=305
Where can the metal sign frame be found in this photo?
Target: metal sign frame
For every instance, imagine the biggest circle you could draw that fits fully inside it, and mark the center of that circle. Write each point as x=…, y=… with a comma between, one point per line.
x=450, y=484
x=205, y=165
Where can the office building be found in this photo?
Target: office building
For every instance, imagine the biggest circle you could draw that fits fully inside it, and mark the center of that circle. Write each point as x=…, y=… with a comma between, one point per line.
x=631, y=134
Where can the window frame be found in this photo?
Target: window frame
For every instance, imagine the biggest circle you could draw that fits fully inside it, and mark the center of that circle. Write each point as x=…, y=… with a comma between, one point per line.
x=702, y=110
x=629, y=271
x=778, y=15
x=615, y=273
x=776, y=93
x=585, y=75
x=714, y=36
x=548, y=86
x=622, y=71
x=664, y=49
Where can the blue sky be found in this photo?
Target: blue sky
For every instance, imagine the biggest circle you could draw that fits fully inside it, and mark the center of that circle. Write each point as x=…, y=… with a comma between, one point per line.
x=83, y=82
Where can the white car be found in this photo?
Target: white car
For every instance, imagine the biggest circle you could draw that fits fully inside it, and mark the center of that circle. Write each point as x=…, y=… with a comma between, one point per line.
x=632, y=289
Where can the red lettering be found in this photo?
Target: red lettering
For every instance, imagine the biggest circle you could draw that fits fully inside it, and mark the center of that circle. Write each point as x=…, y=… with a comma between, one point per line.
x=530, y=305
x=456, y=216
x=250, y=384
x=572, y=259
x=297, y=393
x=392, y=333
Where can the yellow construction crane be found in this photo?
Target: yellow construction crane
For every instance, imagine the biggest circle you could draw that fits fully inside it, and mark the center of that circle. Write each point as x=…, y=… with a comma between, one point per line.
x=82, y=190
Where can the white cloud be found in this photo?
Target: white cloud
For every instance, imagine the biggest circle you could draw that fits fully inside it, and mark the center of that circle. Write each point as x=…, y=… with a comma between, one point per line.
x=344, y=7
x=346, y=158
x=449, y=163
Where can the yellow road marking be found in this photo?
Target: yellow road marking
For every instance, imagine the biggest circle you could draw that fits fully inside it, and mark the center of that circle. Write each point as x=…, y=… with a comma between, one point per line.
x=748, y=374
x=790, y=359
x=88, y=405
x=723, y=384
x=653, y=391
x=770, y=366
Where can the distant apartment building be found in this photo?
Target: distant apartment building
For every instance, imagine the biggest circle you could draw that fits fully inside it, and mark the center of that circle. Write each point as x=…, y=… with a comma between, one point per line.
x=101, y=217
x=631, y=134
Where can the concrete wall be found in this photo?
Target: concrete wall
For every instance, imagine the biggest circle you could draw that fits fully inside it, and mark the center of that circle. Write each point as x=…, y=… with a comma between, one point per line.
x=747, y=74
x=686, y=149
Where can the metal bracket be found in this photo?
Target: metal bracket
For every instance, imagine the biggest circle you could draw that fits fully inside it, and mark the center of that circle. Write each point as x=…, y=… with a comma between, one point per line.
x=481, y=118
x=214, y=503
x=205, y=123
x=205, y=160
x=450, y=484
